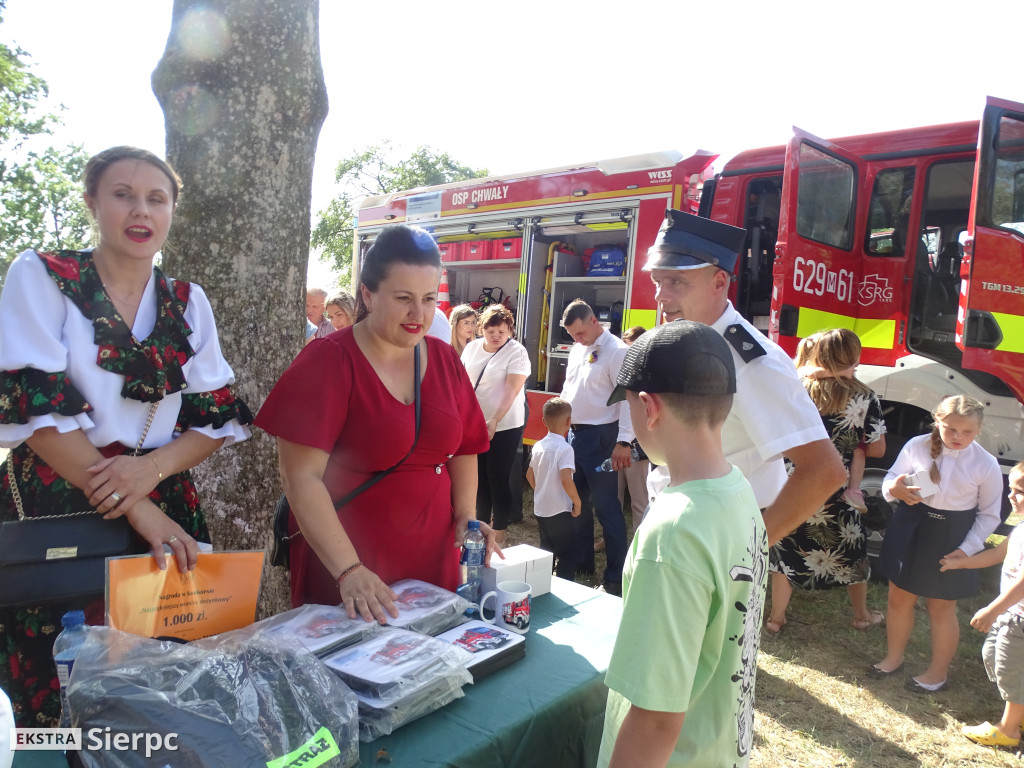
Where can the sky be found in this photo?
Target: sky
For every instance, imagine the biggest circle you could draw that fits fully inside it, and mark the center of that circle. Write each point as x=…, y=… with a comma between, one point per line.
x=528, y=85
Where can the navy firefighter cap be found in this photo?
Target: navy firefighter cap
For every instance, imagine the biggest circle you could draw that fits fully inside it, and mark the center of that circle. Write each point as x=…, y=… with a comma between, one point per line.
x=686, y=241
x=682, y=356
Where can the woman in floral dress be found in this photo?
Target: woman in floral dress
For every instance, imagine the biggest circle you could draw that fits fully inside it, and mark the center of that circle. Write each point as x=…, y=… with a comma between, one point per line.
x=77, y=387
x=830, y=549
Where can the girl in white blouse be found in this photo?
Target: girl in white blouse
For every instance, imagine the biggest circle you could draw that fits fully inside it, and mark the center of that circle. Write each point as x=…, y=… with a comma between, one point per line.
x=949, y=490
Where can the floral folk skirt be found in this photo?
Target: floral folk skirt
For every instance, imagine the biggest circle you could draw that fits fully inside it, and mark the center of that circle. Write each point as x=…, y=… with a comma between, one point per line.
x=27, y=672
x=829, y=550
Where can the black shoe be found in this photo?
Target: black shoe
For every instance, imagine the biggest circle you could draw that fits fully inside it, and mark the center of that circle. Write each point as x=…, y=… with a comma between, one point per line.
x=877, y=673
x=915, y=687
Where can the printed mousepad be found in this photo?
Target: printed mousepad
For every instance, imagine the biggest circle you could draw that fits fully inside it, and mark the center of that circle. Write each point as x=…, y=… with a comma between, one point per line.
x=424, y=607
x=394, y=662
x=493, y=648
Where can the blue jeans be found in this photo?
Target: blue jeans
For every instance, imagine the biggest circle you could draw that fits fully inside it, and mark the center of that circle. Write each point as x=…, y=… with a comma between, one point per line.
x=599, y=493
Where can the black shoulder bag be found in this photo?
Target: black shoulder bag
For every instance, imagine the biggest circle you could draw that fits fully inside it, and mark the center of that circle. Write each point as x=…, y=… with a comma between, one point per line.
x=50, y=559
x=279, y=553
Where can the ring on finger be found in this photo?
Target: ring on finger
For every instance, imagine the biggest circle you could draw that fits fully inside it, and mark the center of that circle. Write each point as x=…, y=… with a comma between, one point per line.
x=172, y=539
x=116, y=497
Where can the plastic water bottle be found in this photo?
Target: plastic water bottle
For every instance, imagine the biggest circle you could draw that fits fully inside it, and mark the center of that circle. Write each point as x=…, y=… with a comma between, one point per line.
x=65, y=651
x=606, y=465
x=474, y=548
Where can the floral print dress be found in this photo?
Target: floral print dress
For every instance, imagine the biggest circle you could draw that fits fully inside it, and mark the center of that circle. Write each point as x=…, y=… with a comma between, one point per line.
x=69, y=361
x=830, y=549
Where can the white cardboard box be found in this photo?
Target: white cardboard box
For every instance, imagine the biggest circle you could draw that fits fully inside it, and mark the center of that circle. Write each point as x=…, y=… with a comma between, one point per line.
x=522, y=563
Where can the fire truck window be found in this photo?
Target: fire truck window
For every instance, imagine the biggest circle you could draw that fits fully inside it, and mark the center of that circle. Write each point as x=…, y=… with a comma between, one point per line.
x=1008, y=195
x=824, y=208
x=889, y=214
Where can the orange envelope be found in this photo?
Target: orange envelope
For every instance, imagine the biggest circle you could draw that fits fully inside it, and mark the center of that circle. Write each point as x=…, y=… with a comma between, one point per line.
x=220, y=594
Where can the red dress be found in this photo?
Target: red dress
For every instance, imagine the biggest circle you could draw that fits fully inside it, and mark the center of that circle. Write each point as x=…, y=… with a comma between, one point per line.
x=403, y=527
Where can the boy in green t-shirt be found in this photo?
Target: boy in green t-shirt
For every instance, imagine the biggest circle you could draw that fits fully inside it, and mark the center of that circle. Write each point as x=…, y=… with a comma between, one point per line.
x=681, y=676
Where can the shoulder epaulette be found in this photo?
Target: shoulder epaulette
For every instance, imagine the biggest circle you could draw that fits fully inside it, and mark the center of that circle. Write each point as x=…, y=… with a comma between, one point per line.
x=746, y=346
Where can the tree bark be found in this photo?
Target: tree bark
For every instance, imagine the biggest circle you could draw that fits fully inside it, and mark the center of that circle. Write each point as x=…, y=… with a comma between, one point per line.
x=243, y=95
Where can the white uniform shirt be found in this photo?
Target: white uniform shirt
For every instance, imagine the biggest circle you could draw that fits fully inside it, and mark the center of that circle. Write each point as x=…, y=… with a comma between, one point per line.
x=512, y=358
x=970, y=478
x=41, y=328
x=548, y=458
x=439, y=327
x=771, y=413
x=589, y=380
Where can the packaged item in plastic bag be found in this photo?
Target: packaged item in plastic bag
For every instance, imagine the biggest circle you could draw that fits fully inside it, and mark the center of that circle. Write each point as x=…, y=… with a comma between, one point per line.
x=395, y=663
x=323, y=629
x=376, y=720
x=423, y=607
x=237, y=699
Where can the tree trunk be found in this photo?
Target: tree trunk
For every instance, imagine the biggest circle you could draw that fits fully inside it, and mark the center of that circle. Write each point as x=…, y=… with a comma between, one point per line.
x=243, y=96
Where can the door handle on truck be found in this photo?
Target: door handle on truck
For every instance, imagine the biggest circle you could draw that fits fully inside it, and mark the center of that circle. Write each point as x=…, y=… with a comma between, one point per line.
x=981, y=330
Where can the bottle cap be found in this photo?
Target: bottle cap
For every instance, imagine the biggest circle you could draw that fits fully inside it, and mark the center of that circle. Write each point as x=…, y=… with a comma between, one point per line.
x=474, y=525
x=73, y=619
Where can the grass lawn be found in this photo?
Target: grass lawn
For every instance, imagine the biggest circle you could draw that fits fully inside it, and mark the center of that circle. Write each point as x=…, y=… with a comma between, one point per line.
x=817, y=708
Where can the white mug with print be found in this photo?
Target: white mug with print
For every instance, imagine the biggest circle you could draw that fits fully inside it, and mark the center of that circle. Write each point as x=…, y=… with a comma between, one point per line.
x=511, y=606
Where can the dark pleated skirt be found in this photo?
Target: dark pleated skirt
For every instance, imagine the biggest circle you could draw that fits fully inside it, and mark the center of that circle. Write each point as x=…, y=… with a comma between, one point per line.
x=917, y=538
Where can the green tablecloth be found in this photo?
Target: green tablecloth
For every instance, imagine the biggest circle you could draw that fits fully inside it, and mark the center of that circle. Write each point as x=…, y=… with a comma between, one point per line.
x=545, y=710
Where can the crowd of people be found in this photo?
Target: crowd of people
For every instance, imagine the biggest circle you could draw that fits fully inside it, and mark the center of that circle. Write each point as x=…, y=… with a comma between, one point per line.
x=100, y=353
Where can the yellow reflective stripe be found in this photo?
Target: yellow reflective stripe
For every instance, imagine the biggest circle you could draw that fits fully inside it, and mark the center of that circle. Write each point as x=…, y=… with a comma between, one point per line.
x=522, y=283
x=1012, y=327
x=874, y=333
x=643, y=317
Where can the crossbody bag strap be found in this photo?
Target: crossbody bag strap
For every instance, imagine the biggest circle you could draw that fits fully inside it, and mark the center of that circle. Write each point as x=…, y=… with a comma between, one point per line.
x=16, y=493
x=477, y=383
x=416, y=438
x=385, y=472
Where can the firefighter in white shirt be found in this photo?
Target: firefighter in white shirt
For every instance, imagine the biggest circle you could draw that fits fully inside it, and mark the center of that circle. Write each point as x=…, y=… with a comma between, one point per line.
x=692, y=263
x=599, y=431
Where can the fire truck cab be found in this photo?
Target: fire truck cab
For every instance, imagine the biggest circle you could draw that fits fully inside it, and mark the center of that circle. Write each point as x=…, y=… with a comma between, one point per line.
x=914, y=239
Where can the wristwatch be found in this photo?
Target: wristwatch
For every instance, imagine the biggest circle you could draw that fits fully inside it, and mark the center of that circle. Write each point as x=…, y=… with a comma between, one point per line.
x=623, y=443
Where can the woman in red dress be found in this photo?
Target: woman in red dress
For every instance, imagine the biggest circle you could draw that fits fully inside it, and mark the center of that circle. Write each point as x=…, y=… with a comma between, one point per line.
x=361, y=386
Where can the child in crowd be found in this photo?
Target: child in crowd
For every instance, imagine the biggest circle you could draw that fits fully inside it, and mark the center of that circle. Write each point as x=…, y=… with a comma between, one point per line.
x=1003, y=619
x=681, y=675
x=949, y=490
x=808, y=367
x=555, y=498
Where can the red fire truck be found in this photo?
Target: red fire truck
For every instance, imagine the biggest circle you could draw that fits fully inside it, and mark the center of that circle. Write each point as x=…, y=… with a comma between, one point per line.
x=912, y=238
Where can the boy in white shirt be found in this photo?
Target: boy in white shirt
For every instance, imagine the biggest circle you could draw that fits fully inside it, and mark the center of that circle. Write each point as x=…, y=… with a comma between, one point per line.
x=555, y=499
x=1003, y=619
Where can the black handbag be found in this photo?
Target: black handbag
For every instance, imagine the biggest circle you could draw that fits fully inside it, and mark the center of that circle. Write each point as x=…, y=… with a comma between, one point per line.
x=280, y=554
x=59, y=558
